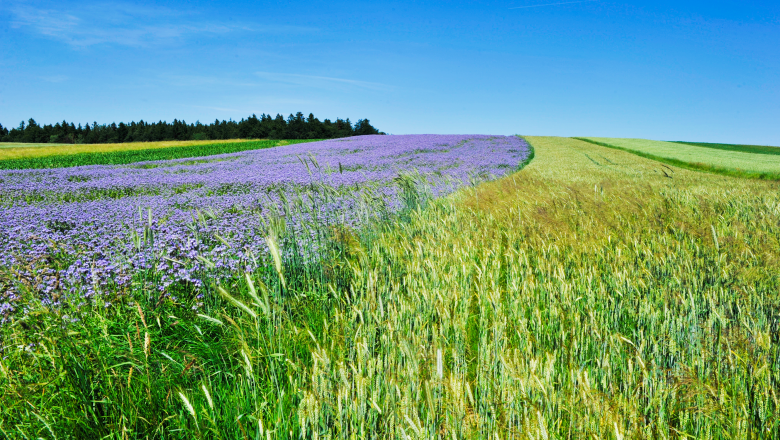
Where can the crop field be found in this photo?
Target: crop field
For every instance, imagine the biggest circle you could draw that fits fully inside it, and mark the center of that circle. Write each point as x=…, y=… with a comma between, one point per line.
x=181, y=217
x=390, y=287
x=741, y=161
x=24, y=145
x=115, y=154
x=759, y=149
x=9, y=150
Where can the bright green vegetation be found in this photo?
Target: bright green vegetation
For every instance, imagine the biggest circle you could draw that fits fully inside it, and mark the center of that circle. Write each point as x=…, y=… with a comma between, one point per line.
x=758, y=149
x=733, y=162
x=587, y=296
x=127, y=154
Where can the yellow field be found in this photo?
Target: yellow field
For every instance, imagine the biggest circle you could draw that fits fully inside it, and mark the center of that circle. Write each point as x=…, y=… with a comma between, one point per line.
x=5, y=145
x=700, y=157
x=26, y=151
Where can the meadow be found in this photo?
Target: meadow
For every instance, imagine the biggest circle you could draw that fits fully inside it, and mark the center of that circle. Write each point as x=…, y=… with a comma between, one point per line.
x=592, y=294
x=733, y=160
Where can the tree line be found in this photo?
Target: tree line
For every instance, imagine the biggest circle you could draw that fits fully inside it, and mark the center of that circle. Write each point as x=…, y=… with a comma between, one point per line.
x=264, y=127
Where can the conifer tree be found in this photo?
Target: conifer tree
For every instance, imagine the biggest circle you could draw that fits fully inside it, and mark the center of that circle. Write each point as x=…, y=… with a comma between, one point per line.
x=295, y=126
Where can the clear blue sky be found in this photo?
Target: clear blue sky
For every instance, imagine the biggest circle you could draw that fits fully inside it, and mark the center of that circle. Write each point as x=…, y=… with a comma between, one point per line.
x=672, y=70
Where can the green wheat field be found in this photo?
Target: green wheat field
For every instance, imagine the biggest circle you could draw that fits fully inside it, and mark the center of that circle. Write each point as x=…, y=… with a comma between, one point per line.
x=611, y=289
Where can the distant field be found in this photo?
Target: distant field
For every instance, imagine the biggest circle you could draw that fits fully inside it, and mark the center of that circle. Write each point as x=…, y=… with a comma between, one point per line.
x=117, y=154
x=735, y=161
x=13, y=150
x=758, y=149
x=7, y=145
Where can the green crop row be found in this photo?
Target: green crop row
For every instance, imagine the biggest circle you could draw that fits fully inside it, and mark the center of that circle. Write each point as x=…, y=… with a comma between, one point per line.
x=132, y=156
x=758, y=149
x=736, y=163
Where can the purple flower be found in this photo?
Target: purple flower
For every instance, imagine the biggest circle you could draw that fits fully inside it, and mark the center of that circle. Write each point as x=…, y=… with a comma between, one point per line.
x=110, y=222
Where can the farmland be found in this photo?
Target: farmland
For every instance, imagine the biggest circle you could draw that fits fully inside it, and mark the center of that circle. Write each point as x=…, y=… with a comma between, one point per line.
x=15, y=150
x=20, y=156
x=392, y=287
x=759, y=149
x=8, y=145
x=734, y=160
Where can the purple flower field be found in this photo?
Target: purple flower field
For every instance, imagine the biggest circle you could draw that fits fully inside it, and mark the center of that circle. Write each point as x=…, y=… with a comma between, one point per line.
x=109, y=222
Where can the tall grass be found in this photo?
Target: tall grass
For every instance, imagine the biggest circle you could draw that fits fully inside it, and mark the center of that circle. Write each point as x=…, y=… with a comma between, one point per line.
x=595, y=294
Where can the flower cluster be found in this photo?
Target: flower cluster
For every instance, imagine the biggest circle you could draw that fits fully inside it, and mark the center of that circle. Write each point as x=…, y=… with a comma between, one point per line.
x=101, y=224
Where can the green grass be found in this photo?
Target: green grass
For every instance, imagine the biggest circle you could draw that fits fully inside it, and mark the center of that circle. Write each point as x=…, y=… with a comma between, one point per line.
x=595, y=294
x=757, y=149
x=138, y=155
x=731, y=162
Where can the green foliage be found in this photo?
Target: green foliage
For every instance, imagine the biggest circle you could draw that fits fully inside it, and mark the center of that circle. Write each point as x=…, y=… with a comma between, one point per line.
x=131, y=156
x=133, y=364
x=758, y=149
x=294, y=127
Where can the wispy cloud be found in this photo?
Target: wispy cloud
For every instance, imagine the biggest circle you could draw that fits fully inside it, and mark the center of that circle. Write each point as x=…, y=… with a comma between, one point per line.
x=319, y=81
x=553, y=4
x=124, y=24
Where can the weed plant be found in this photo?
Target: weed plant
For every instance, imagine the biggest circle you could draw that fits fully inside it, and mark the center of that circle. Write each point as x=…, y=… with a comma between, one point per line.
x=595, y=294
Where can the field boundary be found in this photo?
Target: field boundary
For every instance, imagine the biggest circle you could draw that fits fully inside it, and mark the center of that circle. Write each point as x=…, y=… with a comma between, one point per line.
x=695, y=166
x=531, y=154
x=125, y=157
x=755, y=149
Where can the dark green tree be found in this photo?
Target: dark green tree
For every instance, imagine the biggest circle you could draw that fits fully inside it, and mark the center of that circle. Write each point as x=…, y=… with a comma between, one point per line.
x=264, y=127
x=363, y=127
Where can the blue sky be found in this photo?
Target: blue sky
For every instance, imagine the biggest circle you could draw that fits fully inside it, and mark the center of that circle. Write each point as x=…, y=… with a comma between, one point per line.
x=672, y=70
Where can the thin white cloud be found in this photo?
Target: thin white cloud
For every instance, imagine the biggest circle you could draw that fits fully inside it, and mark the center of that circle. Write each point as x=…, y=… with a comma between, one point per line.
x=319, y=81
x=124, y=24
x=47, y=22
